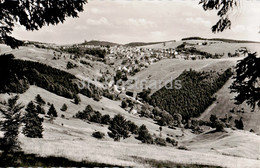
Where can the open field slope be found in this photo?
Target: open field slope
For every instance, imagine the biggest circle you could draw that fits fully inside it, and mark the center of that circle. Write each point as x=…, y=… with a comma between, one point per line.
x=167, y=70
x=88, y=148
x=222, y=47
x=224, y=103
x=71, y=138
x=231, y=143
x=212, y=46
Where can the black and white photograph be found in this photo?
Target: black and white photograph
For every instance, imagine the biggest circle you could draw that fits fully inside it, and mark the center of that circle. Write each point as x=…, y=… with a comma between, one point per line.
x=130, y=83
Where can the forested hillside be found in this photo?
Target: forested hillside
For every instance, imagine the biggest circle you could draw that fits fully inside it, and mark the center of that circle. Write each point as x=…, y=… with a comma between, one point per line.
x=17, y=75
x=195, y=95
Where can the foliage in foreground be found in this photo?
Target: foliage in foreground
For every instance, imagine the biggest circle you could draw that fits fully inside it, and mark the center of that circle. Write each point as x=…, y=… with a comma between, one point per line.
x=11, y=125
x=246, y=82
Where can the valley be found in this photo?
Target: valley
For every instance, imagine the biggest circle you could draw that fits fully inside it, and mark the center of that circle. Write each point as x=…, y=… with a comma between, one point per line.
x=199, y=142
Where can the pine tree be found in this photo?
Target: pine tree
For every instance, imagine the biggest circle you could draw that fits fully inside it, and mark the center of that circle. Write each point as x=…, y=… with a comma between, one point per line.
x=144, y=135
x=33, y=123
x=119, y=128
x=11, y=125
x=30, y=107
x=39, y=100
x=40, y=110
x=52, y=111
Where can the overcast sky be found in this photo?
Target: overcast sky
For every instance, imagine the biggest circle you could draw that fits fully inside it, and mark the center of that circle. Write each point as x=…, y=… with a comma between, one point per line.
x=124, y=21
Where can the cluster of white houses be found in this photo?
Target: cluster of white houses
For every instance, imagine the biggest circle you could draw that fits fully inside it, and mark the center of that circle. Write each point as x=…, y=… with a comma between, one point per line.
x=131, y=52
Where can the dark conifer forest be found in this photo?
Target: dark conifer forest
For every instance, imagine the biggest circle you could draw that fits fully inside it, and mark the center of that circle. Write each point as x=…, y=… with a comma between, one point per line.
x=195, y=95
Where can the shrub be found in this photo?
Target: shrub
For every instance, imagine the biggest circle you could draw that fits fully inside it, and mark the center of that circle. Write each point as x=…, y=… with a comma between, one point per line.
x=145, y=111
x=144, y=135
x=213, y=118
x=96, y=117
x=86, y=63
x=109, y=95
x=85, y=114
x=62, y=116
x=182, y=148
x=105, y=119
x=97, y=97
x=123, y=104
x=64, y=107
x=239, y=124
x=160, y=141
x=216, y=123
x=172, y=141
x=219, y=125
x=165, y=119
x=118, y=127
x=70, y=65
x=130, y=103
x=251, y=130
x=98, y=135
x=168, y=140
x=76, y=99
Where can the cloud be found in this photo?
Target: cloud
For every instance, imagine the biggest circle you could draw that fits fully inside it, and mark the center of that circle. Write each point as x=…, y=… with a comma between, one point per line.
x=198, y=21
x=98, y=22
x=158, y=35
x=245, y=29
x=95, y=11
x=140, y=22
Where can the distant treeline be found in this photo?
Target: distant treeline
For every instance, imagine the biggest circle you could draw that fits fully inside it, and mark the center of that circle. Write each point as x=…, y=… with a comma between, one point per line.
x=193, y=51
x=97, y=52
x=195, y=95
x=219, y=39
x=100, y=43
x=136, y=44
